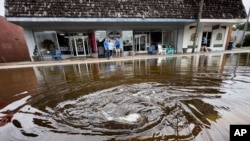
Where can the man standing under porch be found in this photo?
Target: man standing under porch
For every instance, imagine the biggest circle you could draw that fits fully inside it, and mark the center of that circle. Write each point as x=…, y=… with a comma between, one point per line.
x=117, y=48
x=106, y=46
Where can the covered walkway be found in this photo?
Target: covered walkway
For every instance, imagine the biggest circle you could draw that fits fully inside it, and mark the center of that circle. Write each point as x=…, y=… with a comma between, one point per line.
x=84, y=60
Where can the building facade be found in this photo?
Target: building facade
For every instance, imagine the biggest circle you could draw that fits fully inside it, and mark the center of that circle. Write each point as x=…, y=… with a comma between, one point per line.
x=237, y=36
x=78, y=27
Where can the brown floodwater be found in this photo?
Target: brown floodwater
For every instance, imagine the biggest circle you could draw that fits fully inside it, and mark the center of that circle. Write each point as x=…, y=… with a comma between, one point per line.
x=166, y=98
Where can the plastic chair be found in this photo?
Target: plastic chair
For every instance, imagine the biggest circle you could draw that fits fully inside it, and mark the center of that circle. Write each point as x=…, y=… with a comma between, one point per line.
x=161, y=50
x=57, y=55
x=169, y=49
x=164, y=50
x=152, y=50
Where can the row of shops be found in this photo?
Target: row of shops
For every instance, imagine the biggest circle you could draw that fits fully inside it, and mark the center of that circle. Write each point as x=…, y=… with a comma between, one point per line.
x=89, y=41
x=81, y=30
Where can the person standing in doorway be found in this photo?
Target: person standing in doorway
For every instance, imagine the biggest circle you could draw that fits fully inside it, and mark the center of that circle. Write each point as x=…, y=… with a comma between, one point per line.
x=117, y=48
x=204, y=44
x=106, y=47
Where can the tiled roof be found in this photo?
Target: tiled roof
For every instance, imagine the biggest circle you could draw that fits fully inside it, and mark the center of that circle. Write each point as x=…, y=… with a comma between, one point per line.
x=181, y=9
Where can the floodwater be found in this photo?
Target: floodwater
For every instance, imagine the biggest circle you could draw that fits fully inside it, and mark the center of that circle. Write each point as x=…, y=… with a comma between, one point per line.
x=167, y=98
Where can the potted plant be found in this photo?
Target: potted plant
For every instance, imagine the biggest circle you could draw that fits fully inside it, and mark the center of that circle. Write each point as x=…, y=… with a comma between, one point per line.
x=35, y=54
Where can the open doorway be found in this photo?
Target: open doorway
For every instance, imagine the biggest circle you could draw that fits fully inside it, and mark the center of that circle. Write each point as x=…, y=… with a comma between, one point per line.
x=80, y=45
x=208, y=35
x=140, y=42
x=156, y=37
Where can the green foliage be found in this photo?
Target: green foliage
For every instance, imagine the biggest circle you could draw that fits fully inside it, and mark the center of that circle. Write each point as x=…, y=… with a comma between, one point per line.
x=35, y=52
x=238, y=45
x=246, y=40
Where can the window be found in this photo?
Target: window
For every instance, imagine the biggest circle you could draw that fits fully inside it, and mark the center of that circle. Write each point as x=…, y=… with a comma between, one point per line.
x=192, y=37
x=170, y=37
x=127, y=40
x=63, y=41
x=47, y=42
x=219, y=36
x=100, y=37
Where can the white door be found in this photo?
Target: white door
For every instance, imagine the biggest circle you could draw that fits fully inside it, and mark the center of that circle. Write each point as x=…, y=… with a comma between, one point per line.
x=79, y=45
x=140, y=43
x=208, y=35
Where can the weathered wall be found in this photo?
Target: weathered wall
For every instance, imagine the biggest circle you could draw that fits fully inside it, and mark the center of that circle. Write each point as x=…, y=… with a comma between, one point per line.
x=13, y=47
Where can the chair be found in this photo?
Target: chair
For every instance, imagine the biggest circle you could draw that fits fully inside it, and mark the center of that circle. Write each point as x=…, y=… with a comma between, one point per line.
x=161, y=50
x=152, y=50
x=164, y=50
x=57, y=55
x=169, y=49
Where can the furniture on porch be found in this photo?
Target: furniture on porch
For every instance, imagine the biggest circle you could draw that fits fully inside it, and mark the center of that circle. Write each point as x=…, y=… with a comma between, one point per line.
x=169, y=49
x=57, y=55
x=152, y=49
x=161, y=50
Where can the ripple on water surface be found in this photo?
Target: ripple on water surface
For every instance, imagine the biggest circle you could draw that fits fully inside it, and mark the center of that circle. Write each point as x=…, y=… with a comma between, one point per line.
x=145, y=110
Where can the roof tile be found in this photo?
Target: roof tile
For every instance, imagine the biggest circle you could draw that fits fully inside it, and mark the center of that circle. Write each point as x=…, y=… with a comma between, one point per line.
x=187, y=9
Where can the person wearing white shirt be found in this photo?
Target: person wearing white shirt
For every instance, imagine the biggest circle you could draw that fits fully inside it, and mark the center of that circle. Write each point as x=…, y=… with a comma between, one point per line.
x=111, y=47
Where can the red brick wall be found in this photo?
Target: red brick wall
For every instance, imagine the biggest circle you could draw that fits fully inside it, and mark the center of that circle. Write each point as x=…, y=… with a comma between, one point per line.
x=13, y=47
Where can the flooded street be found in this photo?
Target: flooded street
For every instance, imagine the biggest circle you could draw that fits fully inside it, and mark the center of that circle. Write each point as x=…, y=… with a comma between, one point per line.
x=165, y=98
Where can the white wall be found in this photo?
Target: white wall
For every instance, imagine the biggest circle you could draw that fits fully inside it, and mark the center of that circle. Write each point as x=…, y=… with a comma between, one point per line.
x=30, y=41
x=215, y=42
x=214, y=35
x=237, y=36
x=205, y=28
x=187, y=38
x=180, y=39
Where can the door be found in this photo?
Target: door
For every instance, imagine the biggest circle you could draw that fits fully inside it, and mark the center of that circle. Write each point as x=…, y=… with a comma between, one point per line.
x=140, y=42
x=79, y=45
x=208, y=35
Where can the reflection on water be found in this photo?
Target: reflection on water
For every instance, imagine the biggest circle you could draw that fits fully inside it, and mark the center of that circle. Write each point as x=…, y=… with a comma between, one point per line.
x=169, y=98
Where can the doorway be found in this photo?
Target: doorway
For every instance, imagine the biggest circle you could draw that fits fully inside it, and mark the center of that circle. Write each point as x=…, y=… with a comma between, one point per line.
x=79, y=45
x=208, y=35
x=156, y=37
x=140, y=42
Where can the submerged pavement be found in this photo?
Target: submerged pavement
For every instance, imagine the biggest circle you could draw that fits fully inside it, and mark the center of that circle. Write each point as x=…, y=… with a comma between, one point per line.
x=85, y=60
